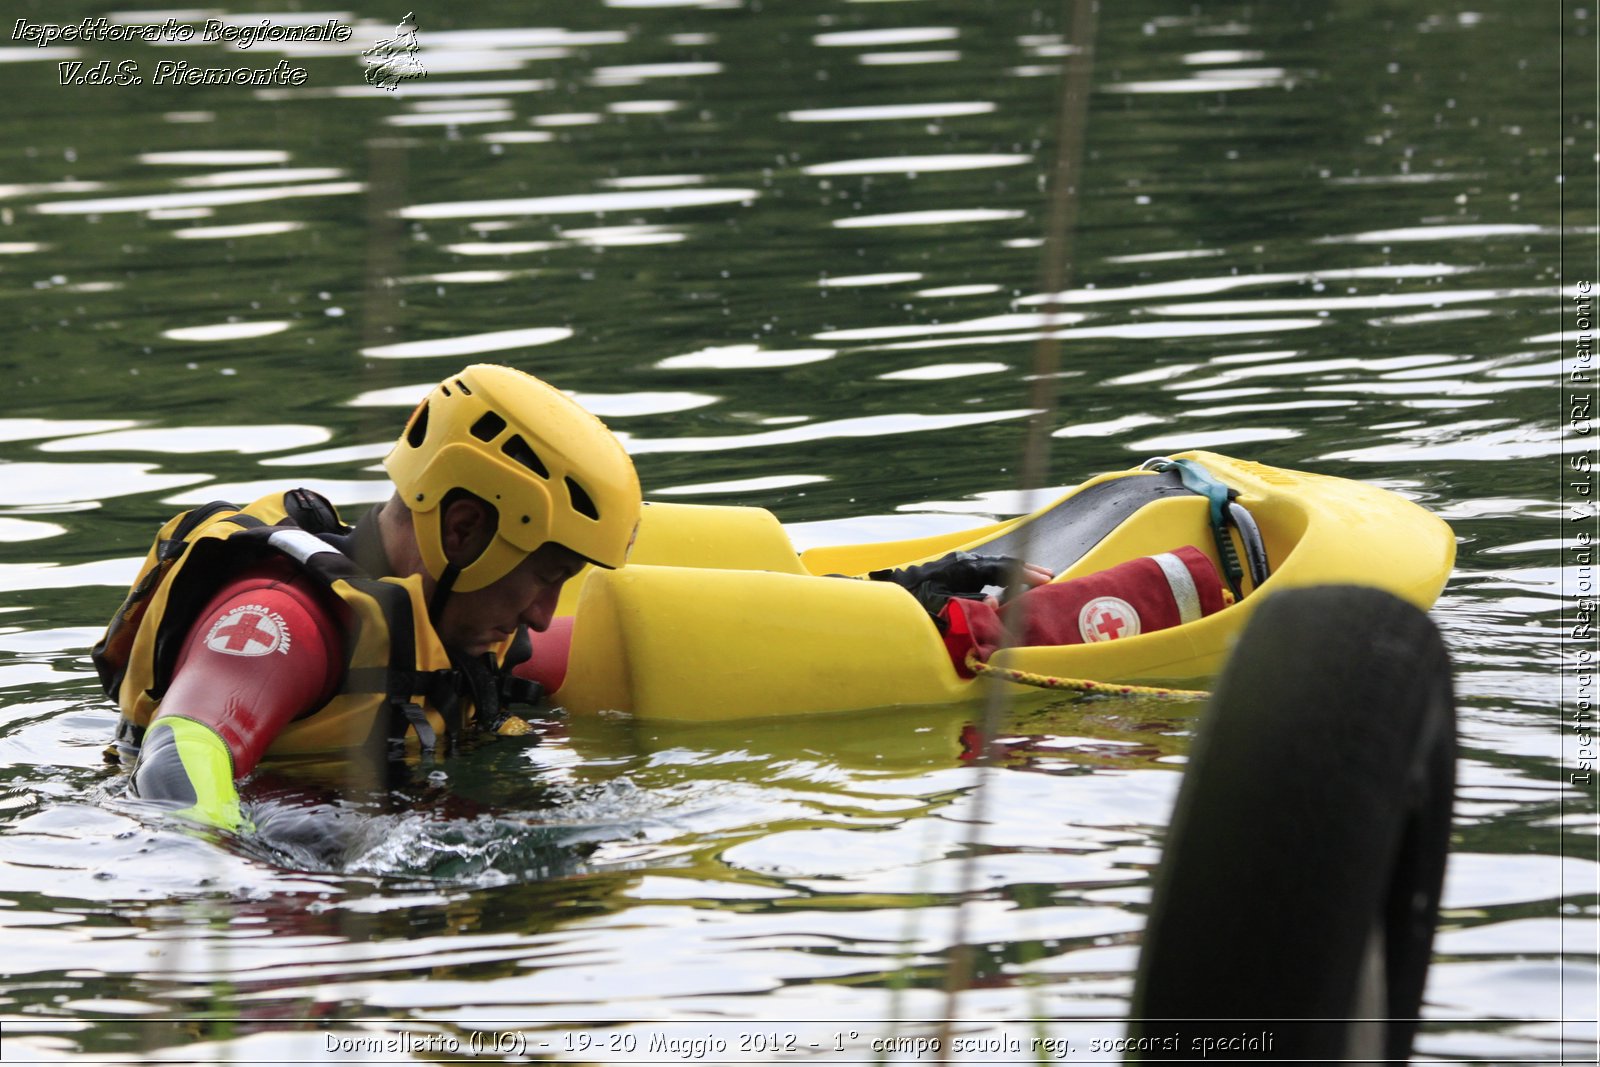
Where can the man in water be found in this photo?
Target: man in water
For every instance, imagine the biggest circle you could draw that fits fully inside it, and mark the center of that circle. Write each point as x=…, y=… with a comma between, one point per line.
x=278, y=627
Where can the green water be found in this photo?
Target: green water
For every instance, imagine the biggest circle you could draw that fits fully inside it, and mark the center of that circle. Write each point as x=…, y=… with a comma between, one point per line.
x=1322, y=236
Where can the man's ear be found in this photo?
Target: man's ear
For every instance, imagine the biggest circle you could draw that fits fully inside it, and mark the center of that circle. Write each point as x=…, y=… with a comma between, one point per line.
x=467, y=530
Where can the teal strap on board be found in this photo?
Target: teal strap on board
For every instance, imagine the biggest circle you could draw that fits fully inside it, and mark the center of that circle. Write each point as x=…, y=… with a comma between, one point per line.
x=1202, y=482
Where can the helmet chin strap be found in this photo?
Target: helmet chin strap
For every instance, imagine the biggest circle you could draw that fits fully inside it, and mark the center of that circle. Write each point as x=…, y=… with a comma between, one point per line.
x=441, y=592
x=446, y=583
x=451, y=572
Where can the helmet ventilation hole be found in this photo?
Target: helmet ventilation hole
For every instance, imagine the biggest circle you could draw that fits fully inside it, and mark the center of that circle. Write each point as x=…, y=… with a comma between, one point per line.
x=580, y=501
x=518, y=450
x=488, y=427
x=419, y=427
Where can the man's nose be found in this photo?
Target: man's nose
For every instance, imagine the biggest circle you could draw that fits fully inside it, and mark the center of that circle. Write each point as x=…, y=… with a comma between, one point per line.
x=542, y=608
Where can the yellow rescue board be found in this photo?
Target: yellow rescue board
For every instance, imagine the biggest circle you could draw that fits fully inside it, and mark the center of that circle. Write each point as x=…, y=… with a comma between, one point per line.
x=716, y=617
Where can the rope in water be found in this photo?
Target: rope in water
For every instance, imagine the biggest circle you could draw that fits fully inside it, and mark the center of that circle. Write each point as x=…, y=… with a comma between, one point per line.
x=1080, y=685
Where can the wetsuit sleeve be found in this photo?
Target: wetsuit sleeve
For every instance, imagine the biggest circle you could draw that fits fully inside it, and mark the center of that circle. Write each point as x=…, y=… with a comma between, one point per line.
x=264, y=651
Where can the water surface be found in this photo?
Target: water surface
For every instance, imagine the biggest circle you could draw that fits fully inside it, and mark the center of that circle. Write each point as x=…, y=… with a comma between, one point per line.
x=791, y=254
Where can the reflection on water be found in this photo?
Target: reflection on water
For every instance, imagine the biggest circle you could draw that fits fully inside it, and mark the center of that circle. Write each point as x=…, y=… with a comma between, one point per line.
x=791, y=254
x=478, y=344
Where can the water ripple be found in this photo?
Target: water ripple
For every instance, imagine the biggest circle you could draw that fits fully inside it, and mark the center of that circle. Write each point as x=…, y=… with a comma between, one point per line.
x=637, y=73
x=216, y=157
x=517, y=137
x=914, y=165
x=581, y=203
x=343, y=454
x=891, y=112
x=848, y=281
x=942, y=217
x=938, y=372
x=451, y=118
x=625, y=236
x=1211, y=438
x=625, y=405
x=416, y=88
x=28, y=429
x=213, y=198
x=501, y=248
x=652, y=181
x=261, y=176
x=1460, y=232
x=1225, y=282
x=1125, y=331
x=225, y=331
x=189, y=440
x=472, y=344
x=340, y=492
x=879, y=37
x=1012, y=321
x=14, y=530
x=745, y=357
x=975, y=289
x=1109, y=427
x=906, y=59
x=72, y=483
x=741, y=485
x=1229, y=80
x=1370, y=302
x=31, y=188
x=50, y=54
x=862, y=426
x=244, y=229
x=1481, y=441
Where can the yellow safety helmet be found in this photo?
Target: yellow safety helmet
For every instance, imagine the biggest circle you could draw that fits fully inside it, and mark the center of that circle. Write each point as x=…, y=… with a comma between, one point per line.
x=552, y=471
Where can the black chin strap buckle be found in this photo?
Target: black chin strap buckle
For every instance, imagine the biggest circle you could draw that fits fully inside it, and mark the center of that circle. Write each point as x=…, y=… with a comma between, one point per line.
x=494, y=690
x=514, y=690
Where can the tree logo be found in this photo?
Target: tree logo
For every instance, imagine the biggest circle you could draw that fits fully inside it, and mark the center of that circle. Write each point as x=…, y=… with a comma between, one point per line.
x=393, y=61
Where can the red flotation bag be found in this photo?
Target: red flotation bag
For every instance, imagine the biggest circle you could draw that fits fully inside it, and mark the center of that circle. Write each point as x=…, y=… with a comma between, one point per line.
x=1141, y=595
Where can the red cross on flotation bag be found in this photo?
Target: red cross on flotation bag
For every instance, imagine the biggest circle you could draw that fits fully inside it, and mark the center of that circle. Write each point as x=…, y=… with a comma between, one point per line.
x=1141, y=595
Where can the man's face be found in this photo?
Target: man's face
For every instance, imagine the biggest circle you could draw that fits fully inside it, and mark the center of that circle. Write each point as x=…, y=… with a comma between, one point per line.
x=472, y=622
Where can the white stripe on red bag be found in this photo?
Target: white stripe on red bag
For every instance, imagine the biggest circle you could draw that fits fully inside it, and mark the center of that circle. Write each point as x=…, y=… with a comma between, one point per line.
x=1182, y=584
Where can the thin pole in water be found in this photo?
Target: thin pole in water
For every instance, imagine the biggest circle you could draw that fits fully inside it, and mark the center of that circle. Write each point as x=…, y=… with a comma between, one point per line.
x=386, y=192
x=1056, y=275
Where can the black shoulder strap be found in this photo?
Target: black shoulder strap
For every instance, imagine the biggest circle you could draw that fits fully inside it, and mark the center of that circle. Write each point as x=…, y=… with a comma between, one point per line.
x=397, y=679
x=194, y=518
x=112, y=651
x=400, y=681
x=186, y=598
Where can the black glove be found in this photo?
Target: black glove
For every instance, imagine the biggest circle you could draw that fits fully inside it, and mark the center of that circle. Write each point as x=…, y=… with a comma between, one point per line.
x=958, y=574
